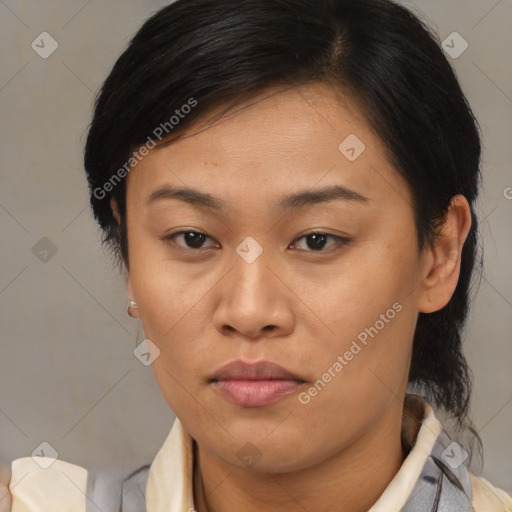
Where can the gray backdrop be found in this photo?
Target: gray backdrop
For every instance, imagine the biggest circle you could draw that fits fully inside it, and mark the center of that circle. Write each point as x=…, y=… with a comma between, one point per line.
x=68, y=375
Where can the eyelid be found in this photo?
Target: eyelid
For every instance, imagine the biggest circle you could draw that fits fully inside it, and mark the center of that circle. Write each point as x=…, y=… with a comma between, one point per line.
x=341, y=241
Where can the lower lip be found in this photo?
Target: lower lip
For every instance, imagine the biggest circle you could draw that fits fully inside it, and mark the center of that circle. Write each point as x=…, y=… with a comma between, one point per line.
x=256, y=393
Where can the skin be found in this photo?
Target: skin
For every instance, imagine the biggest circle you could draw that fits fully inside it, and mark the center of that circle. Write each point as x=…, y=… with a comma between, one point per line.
x=206, y=307
x=5, y=495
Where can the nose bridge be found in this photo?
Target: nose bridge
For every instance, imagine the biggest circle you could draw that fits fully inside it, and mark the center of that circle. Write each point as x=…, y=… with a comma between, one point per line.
x=251, y=274
x=251, y=299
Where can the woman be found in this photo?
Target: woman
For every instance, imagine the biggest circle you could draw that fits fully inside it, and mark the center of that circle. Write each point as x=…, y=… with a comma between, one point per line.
x=290, y=187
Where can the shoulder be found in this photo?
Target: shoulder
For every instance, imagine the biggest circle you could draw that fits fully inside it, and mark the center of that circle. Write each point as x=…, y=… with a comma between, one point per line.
x=486, y=497
x=58, y=485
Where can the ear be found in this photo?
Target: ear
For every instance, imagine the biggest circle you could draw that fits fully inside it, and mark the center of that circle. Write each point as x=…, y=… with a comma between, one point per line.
x=115, y=210
x=134, y=311
x=129, y=288
x=442, y=261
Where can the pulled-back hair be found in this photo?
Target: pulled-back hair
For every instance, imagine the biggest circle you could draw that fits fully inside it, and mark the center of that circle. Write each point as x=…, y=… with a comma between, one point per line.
x=210, y=53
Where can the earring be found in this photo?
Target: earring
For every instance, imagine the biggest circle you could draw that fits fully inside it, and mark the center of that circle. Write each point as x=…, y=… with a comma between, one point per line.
x=131, y=305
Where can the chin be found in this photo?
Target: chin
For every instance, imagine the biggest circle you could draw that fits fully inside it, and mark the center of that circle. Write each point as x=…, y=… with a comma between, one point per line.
x=264, y=450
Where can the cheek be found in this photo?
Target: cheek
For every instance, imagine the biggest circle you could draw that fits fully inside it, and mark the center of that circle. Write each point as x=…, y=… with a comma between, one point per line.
x=357, y=380
x=173, y=312
x=170, y=293
x=371, y=315
x=360, y=353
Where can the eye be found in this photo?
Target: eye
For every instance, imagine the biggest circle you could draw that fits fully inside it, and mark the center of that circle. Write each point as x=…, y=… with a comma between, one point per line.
x=192, y=239
x=316, y=241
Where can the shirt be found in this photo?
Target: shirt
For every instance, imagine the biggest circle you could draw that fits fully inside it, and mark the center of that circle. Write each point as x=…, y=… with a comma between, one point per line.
x=432, y=477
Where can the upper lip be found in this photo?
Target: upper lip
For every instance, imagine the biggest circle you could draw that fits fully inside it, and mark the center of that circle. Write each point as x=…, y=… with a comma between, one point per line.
x=261, y=370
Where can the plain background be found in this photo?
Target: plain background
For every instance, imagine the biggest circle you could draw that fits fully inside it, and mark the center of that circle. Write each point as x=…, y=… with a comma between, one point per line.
x=68, y=375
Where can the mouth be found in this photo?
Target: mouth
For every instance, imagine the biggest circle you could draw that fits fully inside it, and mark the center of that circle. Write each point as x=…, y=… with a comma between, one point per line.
x=255, y=384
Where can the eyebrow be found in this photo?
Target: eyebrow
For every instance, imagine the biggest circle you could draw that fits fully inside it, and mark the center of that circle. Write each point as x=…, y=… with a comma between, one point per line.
x=290, y=202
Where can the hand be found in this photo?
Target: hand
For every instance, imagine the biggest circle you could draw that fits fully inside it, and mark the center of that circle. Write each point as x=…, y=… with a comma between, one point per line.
x=5, y=495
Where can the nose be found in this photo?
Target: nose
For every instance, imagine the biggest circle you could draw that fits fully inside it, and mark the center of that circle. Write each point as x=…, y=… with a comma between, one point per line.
x=255, y=300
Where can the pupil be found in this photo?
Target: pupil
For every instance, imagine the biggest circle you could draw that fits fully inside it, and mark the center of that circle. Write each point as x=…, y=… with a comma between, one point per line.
x=194, y=239
x=317, y=244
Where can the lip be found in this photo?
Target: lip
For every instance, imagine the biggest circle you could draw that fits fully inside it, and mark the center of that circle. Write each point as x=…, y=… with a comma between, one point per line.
x=255, y=384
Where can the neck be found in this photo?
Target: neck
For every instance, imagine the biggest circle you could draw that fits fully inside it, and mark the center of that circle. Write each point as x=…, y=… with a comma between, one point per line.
x=351, y=480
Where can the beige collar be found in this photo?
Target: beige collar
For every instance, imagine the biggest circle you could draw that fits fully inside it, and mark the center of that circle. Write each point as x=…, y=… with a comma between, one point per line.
x=170, y=482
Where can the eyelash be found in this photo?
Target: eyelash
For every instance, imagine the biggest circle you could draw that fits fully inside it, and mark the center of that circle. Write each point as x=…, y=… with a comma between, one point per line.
x=340, y=241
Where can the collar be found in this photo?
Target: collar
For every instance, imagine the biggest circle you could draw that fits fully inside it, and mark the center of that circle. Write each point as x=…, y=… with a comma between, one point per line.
x=417, y=484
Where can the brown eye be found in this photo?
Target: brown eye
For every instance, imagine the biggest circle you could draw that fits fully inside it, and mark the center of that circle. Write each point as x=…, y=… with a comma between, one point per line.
x=192, y=239
x=317, y=241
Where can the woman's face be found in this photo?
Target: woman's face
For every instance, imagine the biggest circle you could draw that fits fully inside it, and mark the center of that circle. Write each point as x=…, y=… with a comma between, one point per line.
x=337, y=310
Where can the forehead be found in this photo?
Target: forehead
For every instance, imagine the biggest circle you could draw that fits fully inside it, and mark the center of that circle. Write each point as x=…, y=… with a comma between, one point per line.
x=279, y=141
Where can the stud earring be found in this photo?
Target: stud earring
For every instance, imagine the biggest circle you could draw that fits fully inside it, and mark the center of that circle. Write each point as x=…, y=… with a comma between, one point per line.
x=131, y=305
